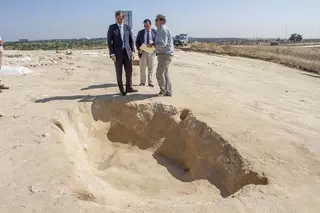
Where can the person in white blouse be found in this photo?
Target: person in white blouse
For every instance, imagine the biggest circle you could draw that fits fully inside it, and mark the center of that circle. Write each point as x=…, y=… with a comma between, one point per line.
x=146, y=36
x=2, y=86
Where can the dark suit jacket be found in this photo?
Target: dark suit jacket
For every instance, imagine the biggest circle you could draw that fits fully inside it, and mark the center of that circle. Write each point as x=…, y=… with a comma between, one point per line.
x=115, y=41
x=140, y=37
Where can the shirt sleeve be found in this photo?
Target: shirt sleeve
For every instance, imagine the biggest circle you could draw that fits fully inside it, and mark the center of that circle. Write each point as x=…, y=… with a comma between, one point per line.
x=162, y=39
x=110, y=41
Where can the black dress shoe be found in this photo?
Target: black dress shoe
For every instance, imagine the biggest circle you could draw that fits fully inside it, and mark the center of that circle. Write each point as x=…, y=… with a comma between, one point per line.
x=142, y=84
x=151, y=85
x=123, y=93
x=162, y=93
x=131, y=90
x=168, y=94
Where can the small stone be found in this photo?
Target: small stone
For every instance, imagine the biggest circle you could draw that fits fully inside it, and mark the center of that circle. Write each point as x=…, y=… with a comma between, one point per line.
x=30, y=188
x=85, y=147
x=15, y=116
x=35, y=189
x=1, y=114
x=45, y=135
x=68, y=52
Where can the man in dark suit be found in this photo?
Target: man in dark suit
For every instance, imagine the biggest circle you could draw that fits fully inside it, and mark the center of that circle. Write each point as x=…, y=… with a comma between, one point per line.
x=121, y=49
x=146, y=36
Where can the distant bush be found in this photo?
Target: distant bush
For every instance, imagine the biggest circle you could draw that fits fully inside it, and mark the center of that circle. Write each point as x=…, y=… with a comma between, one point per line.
x=295, y=37
x=58, y=44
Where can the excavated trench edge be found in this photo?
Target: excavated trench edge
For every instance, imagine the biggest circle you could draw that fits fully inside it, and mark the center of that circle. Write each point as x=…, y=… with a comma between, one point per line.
x=176, y=137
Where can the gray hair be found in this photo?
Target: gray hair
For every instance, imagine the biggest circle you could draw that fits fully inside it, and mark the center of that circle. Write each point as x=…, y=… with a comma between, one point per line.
x=162, y=18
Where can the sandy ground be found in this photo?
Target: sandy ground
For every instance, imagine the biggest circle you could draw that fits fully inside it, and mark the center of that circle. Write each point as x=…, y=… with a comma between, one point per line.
x=311, y=46
x=267, y=113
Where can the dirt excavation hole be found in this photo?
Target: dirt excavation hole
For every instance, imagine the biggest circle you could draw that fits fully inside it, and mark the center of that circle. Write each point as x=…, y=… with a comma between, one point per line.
x=151, y=150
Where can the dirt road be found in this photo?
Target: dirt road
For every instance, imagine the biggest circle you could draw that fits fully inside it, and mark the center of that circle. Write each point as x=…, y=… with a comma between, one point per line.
x=266, y=113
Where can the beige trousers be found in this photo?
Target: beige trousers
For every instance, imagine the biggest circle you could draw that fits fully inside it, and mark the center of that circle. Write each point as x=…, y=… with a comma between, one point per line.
x=146, y=61
x=162, y=74
x=1, y=63
x=1, y=56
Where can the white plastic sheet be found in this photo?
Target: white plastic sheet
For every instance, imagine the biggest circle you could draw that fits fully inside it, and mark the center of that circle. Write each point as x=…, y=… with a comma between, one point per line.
x=14, y=70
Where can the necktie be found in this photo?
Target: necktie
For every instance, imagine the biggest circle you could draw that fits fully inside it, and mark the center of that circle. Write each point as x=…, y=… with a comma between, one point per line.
x=148, y=37
x=123, y=37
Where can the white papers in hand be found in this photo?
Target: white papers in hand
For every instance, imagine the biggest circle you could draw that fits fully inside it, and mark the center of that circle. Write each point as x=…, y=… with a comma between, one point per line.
x=147, y=49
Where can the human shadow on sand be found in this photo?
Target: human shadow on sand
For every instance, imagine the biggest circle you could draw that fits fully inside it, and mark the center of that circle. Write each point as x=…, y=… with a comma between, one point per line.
x=91, y=98
x=100, y=86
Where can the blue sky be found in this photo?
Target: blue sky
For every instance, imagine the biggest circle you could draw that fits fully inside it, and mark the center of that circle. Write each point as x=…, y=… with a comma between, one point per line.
x=45, y=19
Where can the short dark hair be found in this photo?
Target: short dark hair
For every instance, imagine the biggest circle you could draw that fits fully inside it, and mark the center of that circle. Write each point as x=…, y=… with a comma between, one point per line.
x=147, y=21
x=161, y=18
x=119, y=12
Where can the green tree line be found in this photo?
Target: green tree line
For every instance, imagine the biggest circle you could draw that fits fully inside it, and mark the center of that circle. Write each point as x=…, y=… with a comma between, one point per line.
x=58, y=44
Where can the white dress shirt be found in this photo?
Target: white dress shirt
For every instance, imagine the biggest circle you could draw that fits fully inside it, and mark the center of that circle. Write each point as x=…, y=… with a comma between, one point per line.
x=121, y=30
x=150, y=37
x=122, y=35
x=1, y=45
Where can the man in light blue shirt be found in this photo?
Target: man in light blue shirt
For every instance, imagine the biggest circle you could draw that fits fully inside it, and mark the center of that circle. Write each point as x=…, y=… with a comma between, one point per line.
x=164, y=50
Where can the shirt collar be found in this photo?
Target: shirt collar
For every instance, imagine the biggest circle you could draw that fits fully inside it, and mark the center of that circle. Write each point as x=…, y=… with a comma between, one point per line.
x=120, y=25
x=161, y=26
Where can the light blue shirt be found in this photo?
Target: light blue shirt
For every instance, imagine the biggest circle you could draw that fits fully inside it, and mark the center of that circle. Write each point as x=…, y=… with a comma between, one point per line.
x=164, y=42
x=122, y=35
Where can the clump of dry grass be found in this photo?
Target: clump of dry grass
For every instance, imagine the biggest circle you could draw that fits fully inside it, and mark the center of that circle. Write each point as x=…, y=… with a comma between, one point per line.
x=307, y=59
x=84, y=195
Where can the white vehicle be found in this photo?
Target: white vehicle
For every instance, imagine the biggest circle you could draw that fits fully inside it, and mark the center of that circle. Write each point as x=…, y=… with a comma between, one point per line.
x=181, y=40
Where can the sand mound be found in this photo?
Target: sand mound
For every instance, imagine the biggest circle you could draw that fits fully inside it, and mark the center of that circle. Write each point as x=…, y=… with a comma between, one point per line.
x=152, y=151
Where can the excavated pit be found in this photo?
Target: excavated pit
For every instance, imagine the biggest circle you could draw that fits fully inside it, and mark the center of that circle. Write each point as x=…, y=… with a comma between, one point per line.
x=151, y=150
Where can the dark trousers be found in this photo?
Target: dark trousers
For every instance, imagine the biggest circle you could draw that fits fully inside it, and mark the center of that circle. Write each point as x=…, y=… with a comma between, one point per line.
x=123, y=60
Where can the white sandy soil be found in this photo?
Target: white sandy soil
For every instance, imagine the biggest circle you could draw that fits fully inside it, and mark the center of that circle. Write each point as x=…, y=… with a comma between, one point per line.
x=267, y=114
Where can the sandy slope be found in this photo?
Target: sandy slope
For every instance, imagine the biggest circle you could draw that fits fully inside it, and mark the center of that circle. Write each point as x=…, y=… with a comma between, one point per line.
x=268, y=113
